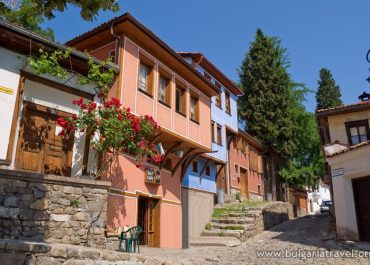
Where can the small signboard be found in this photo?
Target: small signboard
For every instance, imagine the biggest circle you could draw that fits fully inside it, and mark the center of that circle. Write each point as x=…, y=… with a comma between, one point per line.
x=6, y=90
x=153, y=176
x=337, y=172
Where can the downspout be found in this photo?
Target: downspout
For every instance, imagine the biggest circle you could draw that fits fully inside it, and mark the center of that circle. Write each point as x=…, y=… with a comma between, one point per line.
x=118, y=58
x=228, y=165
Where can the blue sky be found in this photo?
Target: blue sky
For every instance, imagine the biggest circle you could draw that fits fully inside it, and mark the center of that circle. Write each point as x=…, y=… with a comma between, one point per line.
x=331, y=33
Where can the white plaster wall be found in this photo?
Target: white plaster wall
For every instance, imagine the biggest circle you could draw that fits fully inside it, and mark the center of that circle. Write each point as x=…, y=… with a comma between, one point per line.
x=344, y=206
x=10, y=65
x=337, y=125
x=355, y=164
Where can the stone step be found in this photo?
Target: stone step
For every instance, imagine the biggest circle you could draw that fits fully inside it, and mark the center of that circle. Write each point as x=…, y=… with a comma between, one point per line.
x=222, y=233
x=233, y=220
x=253, y=214
x=215, y=241
x=227, y=226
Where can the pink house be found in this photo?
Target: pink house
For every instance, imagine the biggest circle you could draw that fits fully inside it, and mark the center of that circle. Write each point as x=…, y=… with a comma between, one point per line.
x=154, y=81
x=247, y=165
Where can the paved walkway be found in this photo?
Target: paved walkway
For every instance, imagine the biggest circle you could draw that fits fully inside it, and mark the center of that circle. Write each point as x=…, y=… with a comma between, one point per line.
x=302, y=236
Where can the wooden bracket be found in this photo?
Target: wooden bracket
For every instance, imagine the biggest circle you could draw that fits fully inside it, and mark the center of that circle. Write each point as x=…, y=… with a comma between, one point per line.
x=185, y=156
x=204, y=167
x=219, y=170
x=177, y=144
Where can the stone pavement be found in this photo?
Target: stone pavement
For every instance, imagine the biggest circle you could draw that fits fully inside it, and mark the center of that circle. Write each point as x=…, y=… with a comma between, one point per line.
x=298, y=236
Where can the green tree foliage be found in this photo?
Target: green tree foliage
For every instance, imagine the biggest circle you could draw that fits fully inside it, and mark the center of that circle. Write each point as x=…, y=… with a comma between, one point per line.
x=307, y=162
x=328, y=93
x=273, y=111
x=265, y=104
x=31, y=13
x=26, y=15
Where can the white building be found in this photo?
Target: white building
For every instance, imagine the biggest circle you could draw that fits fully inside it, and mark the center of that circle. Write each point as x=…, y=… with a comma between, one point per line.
x=345, y=135
x=317, y=196
x=31, y=104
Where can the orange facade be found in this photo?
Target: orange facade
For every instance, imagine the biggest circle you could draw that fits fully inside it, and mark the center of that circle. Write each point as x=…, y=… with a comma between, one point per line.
x=153, y=81
x=246, y=167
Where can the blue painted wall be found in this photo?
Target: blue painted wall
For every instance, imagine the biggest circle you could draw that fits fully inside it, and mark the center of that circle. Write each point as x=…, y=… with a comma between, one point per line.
x=203, y=182
x=219, y=116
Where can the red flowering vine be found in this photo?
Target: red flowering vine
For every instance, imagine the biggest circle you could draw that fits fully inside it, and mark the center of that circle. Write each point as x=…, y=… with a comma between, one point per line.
x=116, y=130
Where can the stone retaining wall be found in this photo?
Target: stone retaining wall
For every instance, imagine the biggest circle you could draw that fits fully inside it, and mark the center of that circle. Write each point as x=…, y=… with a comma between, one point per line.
x=15, y=252
x=270, y=215
x=53, y=209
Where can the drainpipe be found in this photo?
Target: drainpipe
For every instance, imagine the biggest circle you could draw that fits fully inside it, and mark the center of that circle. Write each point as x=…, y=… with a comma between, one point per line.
x=118, y=57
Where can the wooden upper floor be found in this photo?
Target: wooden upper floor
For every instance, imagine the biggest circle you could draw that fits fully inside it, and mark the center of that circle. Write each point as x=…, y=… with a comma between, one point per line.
x=154, y=80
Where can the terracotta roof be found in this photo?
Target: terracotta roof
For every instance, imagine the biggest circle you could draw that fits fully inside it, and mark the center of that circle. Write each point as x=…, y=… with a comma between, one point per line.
x=257, y=144
x=344, y=108
x=233, y=86
x=351, y=148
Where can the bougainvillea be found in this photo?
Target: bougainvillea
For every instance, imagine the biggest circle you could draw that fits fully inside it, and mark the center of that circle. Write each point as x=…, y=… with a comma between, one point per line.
x=114, y=130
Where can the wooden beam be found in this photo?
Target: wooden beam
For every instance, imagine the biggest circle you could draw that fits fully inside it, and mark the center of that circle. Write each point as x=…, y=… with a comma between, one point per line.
x=154, y=139
x=185, y=156
x=204, y=167
x=219, y=171
x=175, y=145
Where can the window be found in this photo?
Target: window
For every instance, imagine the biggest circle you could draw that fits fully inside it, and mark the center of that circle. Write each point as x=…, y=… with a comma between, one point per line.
x=218, y=97
x=194, y=108
x=145, y=78
x=180, y=101
x=112, y=56
x=213, y=131
x=195, y=166
x=259, y=188
x=236, y=168
x=219, y=134
x=208, y=171
x=357, y=131
x=164, y=91
x=227, y=103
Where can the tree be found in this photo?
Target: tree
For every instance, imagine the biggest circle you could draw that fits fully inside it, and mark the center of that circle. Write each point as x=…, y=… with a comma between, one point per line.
x=31, y=13
x=25, y=15
x=307, y=162
x=328, y=93
x=265, y=105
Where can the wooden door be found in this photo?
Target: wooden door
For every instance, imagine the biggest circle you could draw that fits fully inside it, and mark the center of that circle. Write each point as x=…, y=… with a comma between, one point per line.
x=361, y=190
x=244, y=183
x=40, y=148
x=149, y=220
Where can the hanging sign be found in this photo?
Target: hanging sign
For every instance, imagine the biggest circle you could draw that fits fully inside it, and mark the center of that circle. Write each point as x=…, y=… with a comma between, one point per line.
x=6, y=90
x=153, y=176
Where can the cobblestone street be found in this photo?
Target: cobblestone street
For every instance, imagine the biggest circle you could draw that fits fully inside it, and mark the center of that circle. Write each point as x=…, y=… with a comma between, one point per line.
x=303, y=234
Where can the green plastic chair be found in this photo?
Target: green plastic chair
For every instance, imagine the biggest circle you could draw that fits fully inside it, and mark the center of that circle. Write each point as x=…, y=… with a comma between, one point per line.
x=131, y=238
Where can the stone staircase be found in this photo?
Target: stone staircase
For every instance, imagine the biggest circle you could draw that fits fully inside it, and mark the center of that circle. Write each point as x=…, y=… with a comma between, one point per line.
x=229, y=226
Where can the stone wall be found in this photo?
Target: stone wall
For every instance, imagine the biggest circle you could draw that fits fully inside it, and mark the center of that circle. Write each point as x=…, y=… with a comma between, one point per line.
x=53, y=209
x=267, y=216
x=197, y=209
x=16, y=252
x=277, y=212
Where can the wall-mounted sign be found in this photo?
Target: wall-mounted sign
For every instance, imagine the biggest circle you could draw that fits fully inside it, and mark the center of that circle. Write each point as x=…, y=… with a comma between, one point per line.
x=6, y=90
x=337, y=172
x=153, y=176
